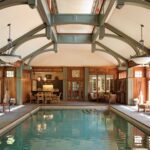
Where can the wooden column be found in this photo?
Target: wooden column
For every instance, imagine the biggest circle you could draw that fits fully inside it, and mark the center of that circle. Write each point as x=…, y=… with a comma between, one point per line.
x=86, y=82
x=130, y=86
x=64, y=83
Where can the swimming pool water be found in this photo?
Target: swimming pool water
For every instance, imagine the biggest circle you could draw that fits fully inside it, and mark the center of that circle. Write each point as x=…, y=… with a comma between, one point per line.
x=74, y=130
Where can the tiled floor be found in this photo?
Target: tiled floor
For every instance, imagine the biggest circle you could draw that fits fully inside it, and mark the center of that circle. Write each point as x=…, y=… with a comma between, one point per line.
x=19, y=111
x=132, y=111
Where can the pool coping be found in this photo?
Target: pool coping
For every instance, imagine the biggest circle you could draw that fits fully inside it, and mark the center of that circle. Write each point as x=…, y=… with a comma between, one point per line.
x=17, y=121
x=132, y=120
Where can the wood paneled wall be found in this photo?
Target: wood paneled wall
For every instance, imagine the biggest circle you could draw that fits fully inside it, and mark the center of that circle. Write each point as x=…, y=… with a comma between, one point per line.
x=26, y=86
x=47, y=69
x=140, y=84
x=9, y=83
x=104, y=70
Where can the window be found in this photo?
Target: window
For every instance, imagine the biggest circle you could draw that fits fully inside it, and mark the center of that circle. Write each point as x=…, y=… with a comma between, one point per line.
x=9, y=73
x=138, y=74
x=122, y=75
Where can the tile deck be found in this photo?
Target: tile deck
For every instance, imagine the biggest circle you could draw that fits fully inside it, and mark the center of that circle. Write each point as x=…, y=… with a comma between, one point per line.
x=132, y=111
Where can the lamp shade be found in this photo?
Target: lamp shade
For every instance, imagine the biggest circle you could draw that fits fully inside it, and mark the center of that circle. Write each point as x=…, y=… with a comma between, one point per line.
x=141, y=60
x=10, y=58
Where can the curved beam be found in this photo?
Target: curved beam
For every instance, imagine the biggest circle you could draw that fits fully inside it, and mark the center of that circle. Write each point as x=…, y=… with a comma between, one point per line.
x=125, y=36
x=32, y=57
x=26, y=35
x=26, y=40
x=111, y=51
x=9, y=3
x=124, y=40
x=140, y=3
x=38, y=50
x=105, y=51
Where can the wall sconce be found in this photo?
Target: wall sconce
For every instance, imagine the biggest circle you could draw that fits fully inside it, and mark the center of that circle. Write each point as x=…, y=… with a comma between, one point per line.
x=44, y=79
x=39, y=78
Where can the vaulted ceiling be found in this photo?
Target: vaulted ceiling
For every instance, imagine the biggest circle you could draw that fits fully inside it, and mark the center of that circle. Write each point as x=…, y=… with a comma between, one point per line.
x=75, y=33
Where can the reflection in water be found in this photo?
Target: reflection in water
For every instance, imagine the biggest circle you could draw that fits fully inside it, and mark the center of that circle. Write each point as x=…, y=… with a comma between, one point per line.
x=41, y=127
x=75, y=129
x=10, y=139
x=48, y=117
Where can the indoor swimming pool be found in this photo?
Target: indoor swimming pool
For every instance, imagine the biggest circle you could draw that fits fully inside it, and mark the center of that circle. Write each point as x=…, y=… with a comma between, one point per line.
x=85, y=129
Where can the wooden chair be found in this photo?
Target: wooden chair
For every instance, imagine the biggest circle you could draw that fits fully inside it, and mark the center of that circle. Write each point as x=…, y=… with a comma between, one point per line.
x=144, y=106
x=48, y=97
x=32, y=98
x=56, y=99
x=112, y=98
x=40, y=97
x=93, y=96
x=6, y=101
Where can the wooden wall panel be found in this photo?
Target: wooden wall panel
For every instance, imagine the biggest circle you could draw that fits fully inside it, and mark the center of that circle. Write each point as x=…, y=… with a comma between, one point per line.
x=47, y=69
x=26, y=86
x=10, y=84
x=103, y=70
x=140, y=84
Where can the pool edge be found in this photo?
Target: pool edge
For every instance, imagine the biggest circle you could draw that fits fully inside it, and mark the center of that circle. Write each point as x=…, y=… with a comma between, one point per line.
x=18, y=121
x=132, y=120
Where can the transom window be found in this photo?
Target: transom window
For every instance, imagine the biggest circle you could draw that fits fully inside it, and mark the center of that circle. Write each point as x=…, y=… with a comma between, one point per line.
x=10, y=73
x=138, y=74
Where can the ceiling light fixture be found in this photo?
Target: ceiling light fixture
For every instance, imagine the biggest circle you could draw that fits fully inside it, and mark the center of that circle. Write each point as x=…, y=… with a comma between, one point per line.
x=9, y=57
x=142, y=60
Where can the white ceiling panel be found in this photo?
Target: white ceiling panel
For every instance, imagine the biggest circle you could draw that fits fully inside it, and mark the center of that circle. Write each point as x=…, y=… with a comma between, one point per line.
x=31, y=46
x=128, y=20
x=74, y=29
x=74, y=55
x=118, y=46
x=22, y=18
x=75, y=6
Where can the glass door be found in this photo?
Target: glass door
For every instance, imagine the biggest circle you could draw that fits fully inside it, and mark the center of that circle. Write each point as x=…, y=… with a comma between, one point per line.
x=101, y=83
x=96, y=83
x=75, y=90
x=99, y=86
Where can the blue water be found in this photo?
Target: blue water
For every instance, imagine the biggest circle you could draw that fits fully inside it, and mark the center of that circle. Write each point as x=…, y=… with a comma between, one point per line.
x=74, y=130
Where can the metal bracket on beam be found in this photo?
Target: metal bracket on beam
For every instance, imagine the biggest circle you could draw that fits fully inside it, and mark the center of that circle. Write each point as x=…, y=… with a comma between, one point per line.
x=120, y=4
x=101, y=32
x=48, y=32
x=32, y=3
x=54, y=34
x=55, y=47
x=95, y=34
x=93, y=47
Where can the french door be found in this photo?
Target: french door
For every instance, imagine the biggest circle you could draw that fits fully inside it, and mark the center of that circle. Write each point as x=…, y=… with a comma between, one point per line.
x=75, y=90
x=99, y=83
